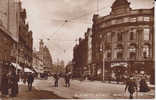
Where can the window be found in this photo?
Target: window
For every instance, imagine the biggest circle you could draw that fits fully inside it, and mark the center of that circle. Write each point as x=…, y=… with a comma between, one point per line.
x=132, y=52
x=119, y=21
x=140, y=18
x=109, y=54
x=113, y=21
x=146, y=51
x=109, y=37
x=126, y=19
x=119, y=36
x=133, y=19
x=103, y=25
x=146, y=32
x=120, y=55
x=147, y=19
x=133, y=34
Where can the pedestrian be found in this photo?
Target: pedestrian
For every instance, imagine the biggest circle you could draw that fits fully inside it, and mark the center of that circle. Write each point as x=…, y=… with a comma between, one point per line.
x=24, y=78
x=14, y=83
x=67, y=79
x=4, y=84
x=143, y=86
x=56, y=77
x=131, y=86
x=30, y=80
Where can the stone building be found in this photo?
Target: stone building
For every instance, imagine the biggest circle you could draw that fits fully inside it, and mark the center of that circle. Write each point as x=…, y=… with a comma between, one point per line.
x=45, y=56
x=123, y=38
x=25, y=44
x=37, y=62
x=82, y=56
x=9, y=30
x=7, y=50
x=16, y=38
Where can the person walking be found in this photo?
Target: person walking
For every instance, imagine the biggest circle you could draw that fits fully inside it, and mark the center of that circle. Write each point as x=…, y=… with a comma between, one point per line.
x=56, y=77
x=30, y=80
x=67, y=79
x=143, y=85
x=131, y=86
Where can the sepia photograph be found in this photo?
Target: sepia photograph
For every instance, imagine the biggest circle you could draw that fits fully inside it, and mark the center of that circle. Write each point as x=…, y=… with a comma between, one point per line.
x=77, y=49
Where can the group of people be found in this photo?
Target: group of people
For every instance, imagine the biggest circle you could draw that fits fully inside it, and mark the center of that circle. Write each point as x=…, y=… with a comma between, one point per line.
x=10, y=82
x=133, y=86
x=67, y=78
x=10, y=79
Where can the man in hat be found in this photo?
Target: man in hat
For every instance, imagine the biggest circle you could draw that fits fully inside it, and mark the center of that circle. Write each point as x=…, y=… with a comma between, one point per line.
x=131, y=86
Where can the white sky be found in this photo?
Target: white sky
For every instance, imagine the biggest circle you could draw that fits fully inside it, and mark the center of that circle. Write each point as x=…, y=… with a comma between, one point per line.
x=46, y=16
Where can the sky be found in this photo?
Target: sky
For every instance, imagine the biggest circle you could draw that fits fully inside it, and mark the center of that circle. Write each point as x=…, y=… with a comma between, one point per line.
x=46, y=19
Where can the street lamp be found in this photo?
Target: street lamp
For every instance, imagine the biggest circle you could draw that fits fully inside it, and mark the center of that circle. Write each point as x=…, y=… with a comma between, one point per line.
x=103, y=60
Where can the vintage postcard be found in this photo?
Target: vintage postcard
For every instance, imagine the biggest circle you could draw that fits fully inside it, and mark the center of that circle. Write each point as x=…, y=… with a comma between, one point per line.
x=77, y=49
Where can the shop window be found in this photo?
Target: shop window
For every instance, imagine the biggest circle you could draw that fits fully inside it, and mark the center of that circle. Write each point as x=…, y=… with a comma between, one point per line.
x=146, y=32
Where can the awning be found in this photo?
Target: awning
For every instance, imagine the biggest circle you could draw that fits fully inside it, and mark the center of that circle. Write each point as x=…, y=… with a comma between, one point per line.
x=38, y=69
x=28, y=70
x=17, y=66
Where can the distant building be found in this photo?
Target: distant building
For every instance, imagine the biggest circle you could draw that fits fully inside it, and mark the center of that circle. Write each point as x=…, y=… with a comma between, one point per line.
x=82, y=56
x=123, y=38
x=44, y=55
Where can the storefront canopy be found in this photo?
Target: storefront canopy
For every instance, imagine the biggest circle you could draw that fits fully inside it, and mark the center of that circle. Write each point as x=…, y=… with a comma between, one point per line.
x=28, y=70
x=38, y=69
x=17, y=66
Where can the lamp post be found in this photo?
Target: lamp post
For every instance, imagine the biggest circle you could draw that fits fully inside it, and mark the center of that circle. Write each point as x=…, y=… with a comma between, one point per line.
x=102, y=49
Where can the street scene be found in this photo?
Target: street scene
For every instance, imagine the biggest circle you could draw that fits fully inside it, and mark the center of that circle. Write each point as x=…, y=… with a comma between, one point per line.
x=77, y=49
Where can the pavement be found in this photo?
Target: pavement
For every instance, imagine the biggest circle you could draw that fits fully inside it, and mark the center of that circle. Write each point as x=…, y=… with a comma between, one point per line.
x=44, y=89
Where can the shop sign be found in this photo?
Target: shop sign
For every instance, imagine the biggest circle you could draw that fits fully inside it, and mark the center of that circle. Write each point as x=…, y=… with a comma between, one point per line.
x=119, y=64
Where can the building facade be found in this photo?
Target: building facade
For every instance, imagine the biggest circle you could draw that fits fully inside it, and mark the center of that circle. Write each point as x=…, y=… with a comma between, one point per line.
x=7, y=50
x=82, y=56
x=123, y=38
x=16, y=38
x=44, y=55
x=25, y=44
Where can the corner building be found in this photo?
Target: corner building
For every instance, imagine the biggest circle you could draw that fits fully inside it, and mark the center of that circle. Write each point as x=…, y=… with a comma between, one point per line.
x=126, y=38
